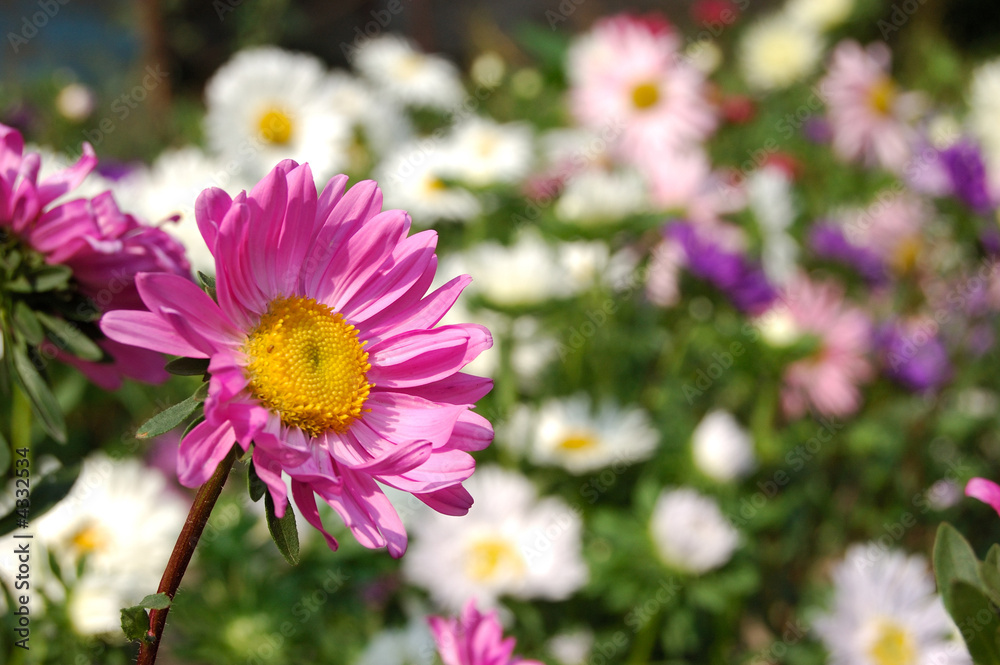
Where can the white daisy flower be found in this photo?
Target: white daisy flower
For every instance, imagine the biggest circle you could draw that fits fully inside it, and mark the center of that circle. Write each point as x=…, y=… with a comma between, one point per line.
x=571, y=648
x=885, y=612
x=266, y=105
x=169, y=188
x=118, y=525
x=722, y=449
x=820, y=14
x=598, y=196
x=777, y=51
x=525, y=273
x=411, y=77
x=483, y=152
x=571, y=434
x=984, y=109
x=380, y=120
x=690, y=531
x=591, y=262
x=510, y=543
x=769, y=193
x=414, y=179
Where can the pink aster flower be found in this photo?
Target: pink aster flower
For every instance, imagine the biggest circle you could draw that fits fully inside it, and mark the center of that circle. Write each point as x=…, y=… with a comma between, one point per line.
x=868, y=115
x=102, y=246
x=474, y=639
x=985, y=490
x=828, y=378
x=630, y=81
x=324, y=351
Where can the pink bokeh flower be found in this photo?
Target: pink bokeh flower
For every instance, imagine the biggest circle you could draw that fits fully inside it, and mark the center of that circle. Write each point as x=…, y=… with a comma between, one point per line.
x=985, y=490
x=324, y=351
x=868, y=115
x=102, y=246
x=630, y=82
x=828, y=378
x=474, y=639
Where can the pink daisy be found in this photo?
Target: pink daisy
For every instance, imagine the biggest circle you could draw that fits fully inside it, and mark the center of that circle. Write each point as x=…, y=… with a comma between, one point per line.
x=891, y=227
x=474, y=639
x=827, y=379
x=985, y=490
x=868, y=115
x=103, y=248
x=323, y=352
x=629, y=80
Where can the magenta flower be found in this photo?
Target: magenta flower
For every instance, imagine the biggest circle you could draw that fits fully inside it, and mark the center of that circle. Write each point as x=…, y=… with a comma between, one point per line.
x=474, y=639
x=323, y=352
x=103, y=247
x=986, y=491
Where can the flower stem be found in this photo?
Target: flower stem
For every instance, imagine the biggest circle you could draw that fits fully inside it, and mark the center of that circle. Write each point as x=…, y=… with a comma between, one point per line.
x=204, y=501
x=20, y=419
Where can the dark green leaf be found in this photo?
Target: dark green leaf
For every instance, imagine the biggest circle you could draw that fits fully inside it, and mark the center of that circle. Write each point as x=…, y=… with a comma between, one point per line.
x=135, y=623
x=255, y=485
x=954, y=560
x=989, y=573
x=188, y=366
x=68, y=336
x=27, y=323
x=168, y=419
x=194, y=423
x=45, y=493
x=207, y=283
x=4, y=454
x=43, y=402
x=978, y=623
x=283, y=530
x=51, y=278
x=155, y=601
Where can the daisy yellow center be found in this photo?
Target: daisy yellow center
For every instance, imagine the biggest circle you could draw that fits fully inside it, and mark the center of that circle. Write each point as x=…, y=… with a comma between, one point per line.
x=904, y=259
x=882, y=96
x=490, y=557
x=893, y=645
x=578, y=441
x=90, y=538
x=306, y=365
x=276, y=127
x=645, y=95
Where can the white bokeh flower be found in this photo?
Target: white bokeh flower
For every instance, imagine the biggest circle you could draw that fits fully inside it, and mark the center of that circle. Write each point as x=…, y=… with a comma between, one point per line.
x=266, y=105
x=483, y=152
x=885, y=612
x=597, y=196
x=690, y=532
x=413, y=178
x=777, y=51
x=571, y=648
x=722, y=448
x=570, y=433
x=820, y=14
x=510, y=543
x=381, y=120
x=397, y=68
x=412, y=645
x=984, y=109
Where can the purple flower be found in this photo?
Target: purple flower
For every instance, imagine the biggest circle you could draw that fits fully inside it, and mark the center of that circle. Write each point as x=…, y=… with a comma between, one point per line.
x=743, y=282
x=913, y=355
x=829, y=242
x=966, y=173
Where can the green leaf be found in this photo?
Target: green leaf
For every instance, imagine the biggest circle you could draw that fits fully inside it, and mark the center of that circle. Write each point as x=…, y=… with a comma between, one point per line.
x=135, y=624
x=68, y=336
x=43, y=402
x=954, y=561
x=188, y=366
x=168, y=419
x=155, y=601
x=255, y=485
x=27, y=323
x=989, y=573
x=283, y=530
x=207, y=283
x=45, y=493
x=4, y=454
x=979, y=624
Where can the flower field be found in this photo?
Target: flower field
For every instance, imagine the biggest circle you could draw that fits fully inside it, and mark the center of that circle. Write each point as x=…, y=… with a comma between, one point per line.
x=644, y=337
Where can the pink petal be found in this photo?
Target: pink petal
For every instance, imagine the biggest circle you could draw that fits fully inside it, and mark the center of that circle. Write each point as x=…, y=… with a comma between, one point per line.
x=201, y=451
x=306, y=501
x=240, y=297
x=360, y=257
x=403, y=285
x=68, y=179
x=298, y=230
x=209, y=211
x=147, y=330
x=985, y=490
x=268, y=470
x=422, y=356
x=459, y=388
x=401, y=418
x=162, y=291
x=426, y=314
x=266, y=202
x=454, y=500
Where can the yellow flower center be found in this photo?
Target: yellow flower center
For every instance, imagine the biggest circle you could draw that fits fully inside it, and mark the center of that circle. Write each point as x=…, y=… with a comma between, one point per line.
x=306, y=365
x=904, y=259
x=435, y=185
x=645, y=95
x=276, y=127
x=893, y=645
x=578, y=441
x=90, y=538
x=882, y=96
x=490, y=557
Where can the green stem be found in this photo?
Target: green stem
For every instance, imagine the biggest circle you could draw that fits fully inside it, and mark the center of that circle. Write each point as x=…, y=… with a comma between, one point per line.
x=20, y=419
x=197, y=518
